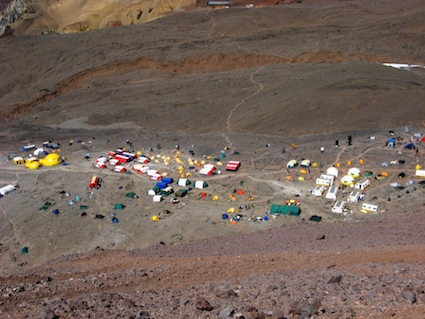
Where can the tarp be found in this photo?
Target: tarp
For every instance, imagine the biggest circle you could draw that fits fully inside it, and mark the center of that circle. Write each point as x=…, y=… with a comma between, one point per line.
x=410, y=146
x=315, y=218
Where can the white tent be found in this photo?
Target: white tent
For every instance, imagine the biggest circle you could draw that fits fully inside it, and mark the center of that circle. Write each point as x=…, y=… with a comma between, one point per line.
x=305, y=163
x=200, y=184
x=347, y=180
x=339, y=207
x=292, y=164
x=38, y=151
x=332, y=171
x=355, y=172
x=6, y=189
x=332, y=193
x=157, y=198
x=354, y=197
x=318, y=191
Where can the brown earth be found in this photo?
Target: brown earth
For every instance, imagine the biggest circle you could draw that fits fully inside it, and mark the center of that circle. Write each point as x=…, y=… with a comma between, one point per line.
x=254, y=80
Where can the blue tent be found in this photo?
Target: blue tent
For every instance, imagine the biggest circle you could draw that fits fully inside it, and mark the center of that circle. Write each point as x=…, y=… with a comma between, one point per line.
x=410, y=146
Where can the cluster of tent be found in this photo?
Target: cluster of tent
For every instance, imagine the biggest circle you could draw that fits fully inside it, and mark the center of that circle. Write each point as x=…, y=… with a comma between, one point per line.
x=51, y=159
x=304, y=163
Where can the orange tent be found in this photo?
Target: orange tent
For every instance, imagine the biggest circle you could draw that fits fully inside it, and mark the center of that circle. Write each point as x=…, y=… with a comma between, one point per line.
x=289, y=178
x=240, y=192
x=203, y=194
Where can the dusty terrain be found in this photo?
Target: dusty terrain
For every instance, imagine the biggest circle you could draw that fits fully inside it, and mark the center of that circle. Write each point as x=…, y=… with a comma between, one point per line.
x=251, y=80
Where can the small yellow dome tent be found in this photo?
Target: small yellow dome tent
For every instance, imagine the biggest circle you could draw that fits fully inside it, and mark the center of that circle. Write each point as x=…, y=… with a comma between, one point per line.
x=155, y=218
x=32, y=165
x=347, y=180
x=215, y=198
x=338, y=164
x=349, y=163
x=50, y=160
x=418, y=167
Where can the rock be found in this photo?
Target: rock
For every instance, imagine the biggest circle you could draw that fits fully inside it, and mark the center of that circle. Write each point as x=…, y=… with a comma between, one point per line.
x=183, y=301
x=272, y=288
x=253, y=313
x=142, y=315
x=227, y=293
x=421, y=293
x=227, y=312
x=306, y=311
x=315, y=306
x=279, y=314
x=409, y=295
x=51, y=315
x=202, y=304
x=335, y=279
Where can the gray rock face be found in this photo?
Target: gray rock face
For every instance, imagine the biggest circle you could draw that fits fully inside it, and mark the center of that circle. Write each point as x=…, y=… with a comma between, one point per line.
x=227, y=312
x=202, y=304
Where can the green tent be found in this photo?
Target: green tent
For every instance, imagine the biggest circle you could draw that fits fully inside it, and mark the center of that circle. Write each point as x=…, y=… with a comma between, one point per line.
x=45, y=206
x=83, y=207
x=181, y=193
x=285, y=210
x=131, y=194
x=119, y=206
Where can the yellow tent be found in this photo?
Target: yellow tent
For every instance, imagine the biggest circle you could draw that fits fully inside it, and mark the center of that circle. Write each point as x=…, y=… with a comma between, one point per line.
x=50, y=160
x=338, y=164
x=314, y=164
x=418, y=167
x=300, y=178
x=232, y=210
x=303, y=171
x=18, y=160
x=219, y=164
x=32, y=165
x=215, y=197
x=155, y=218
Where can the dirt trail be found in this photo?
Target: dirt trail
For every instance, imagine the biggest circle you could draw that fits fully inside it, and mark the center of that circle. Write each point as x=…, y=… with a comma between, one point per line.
x=228, y=121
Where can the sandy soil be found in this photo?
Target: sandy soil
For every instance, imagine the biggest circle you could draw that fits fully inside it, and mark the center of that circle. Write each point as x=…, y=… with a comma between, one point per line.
x=253, y=81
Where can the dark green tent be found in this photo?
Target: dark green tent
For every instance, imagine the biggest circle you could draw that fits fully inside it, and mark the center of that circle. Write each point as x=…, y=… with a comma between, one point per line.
x=119, y=206
x=131, y=194
x=285, y=210
x=45, y=206
x=181, y=193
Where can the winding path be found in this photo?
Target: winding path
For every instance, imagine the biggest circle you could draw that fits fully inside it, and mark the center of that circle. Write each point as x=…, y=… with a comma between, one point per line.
x=229, y=127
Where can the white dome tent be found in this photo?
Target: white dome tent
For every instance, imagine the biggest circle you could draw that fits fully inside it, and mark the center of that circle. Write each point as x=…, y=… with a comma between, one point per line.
x=332, y=171
x=292, y=164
